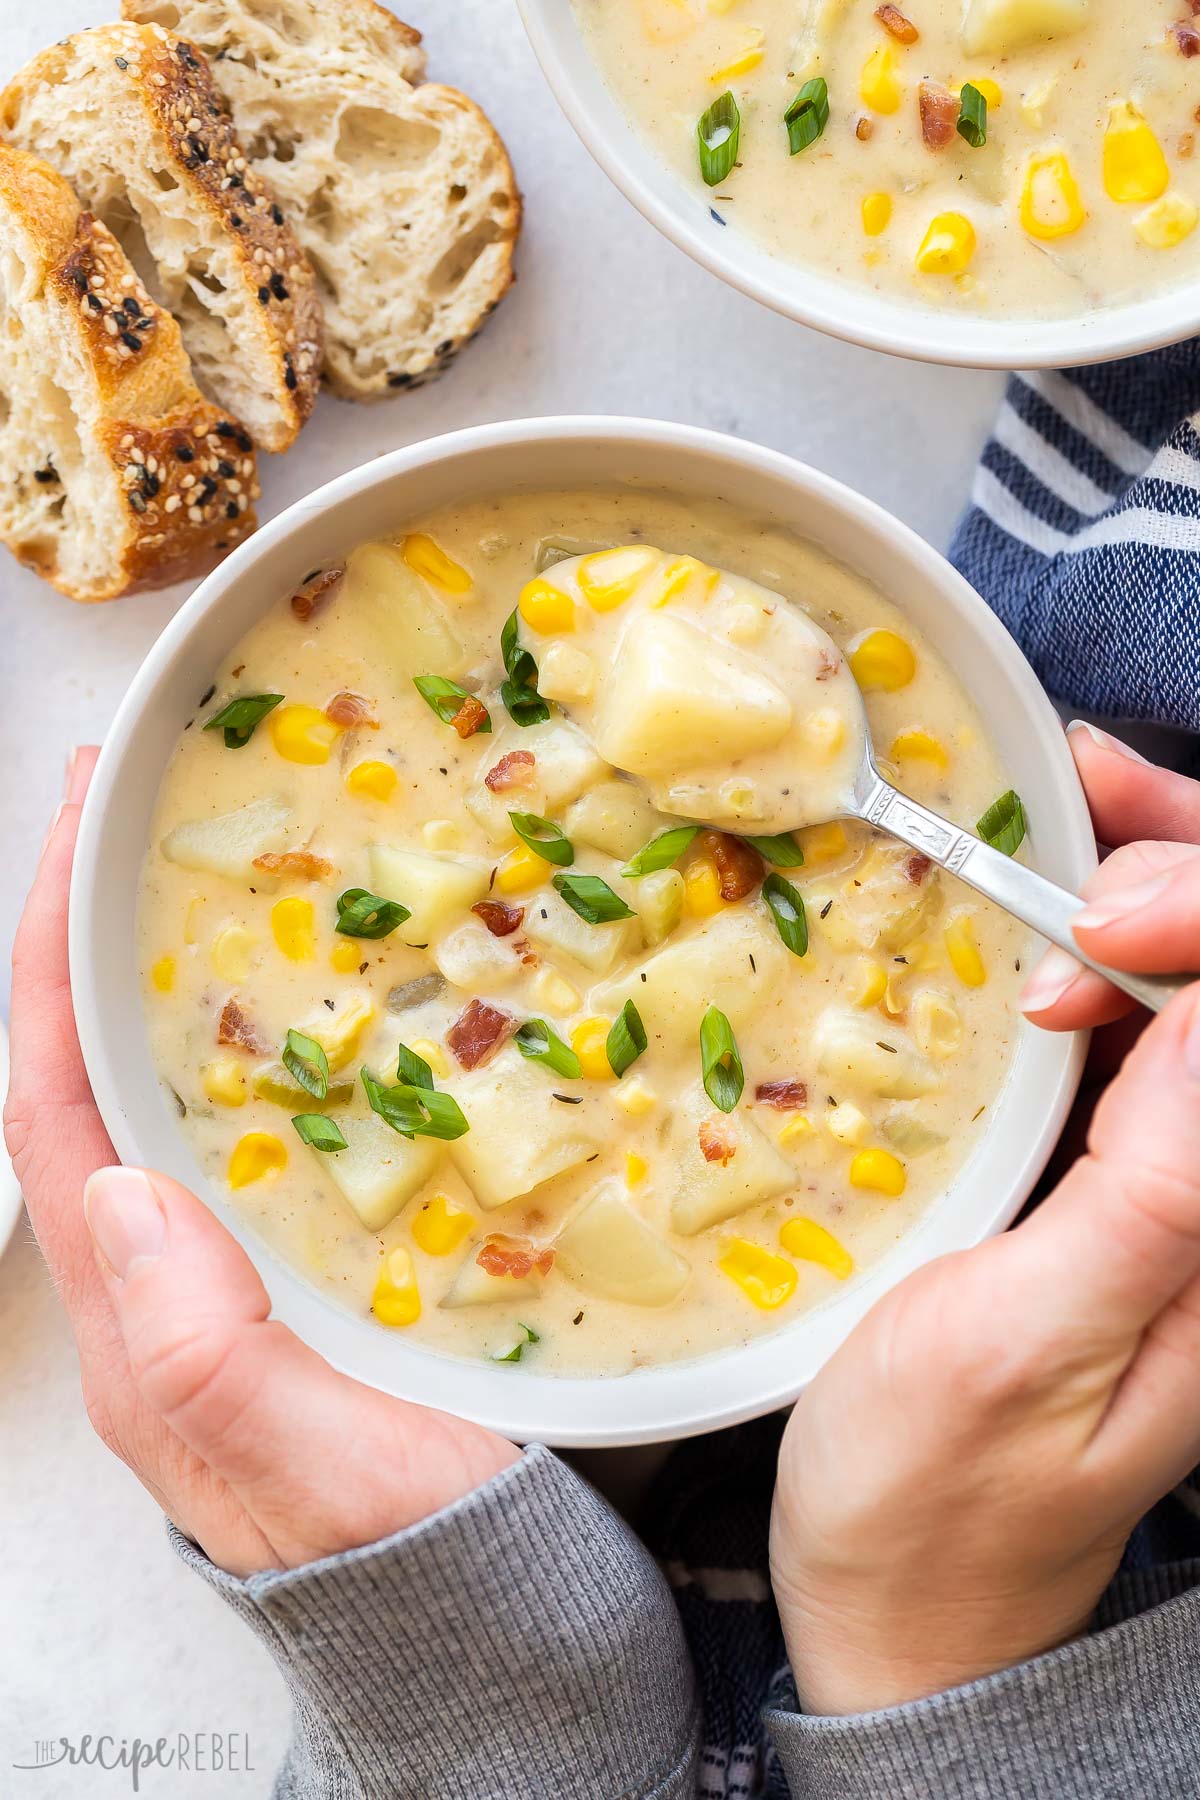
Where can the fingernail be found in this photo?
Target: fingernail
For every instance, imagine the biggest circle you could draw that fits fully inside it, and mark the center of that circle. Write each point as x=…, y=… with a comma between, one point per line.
x=124, y=1217
x=53, y=826
x=77, y=780
x=1191, y=1047
x=1106, y=741
x=1049, y=982
x=1121, y=905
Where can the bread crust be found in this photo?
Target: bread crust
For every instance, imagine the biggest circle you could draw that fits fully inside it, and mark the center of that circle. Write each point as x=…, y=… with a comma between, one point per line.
x=171, y=81
x=174, y=512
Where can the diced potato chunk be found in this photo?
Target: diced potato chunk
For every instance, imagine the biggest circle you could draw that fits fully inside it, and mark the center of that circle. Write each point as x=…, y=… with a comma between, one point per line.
x=852, y=1047
x=520, y=1135
x=615, y=817
x=473, y=1286
x=379, y=1170
x=677, y=698
x=996, y=27
x=340, y=1033
x=227, y=844
x=711, y=967
x=564, y=765
x=436, y=886
x=607, y=1249
x=880, y=906
x=707, y=1193
x=552, y=925
x=473, y=959
x=389, y=605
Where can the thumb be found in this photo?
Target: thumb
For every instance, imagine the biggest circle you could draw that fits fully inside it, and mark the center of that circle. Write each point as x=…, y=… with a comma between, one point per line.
x=320, y=1462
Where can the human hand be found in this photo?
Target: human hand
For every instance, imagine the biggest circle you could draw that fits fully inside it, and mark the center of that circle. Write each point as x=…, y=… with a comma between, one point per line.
x=257, y=1449
x=957, y=1485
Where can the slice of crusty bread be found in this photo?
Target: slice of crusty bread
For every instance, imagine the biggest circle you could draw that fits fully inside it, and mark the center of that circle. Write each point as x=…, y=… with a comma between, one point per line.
x=401, y=194
x=131, y=117
x=114, y=471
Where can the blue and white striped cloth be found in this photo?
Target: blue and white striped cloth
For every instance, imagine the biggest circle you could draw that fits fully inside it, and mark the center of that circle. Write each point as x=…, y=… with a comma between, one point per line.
x=1084, y=533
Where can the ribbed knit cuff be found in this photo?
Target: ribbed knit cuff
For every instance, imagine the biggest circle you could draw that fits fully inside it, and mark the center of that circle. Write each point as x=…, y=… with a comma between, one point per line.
x=1111, y=1716
x=519, y=1644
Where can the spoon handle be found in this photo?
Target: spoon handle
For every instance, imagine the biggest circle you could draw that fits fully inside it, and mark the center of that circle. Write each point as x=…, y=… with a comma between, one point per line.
x=1021, y=891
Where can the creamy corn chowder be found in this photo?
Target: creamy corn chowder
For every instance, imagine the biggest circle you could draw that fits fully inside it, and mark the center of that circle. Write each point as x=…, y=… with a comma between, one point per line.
x=1017, y=157
x=500, y=1047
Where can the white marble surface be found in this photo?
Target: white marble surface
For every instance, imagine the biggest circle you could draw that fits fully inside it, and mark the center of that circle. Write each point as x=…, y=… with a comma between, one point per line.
x=102, y=1632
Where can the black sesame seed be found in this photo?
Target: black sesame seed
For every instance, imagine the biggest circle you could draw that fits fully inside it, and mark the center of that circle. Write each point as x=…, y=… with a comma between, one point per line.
x=120, y=62
x=244, y=441
x=289, y=379
x=235, y=219
x=277, y=215
x=399, y=380
x=225, y=469
x=79, y=280
x=224, y=429
x=136, y=501
x=46, y=475
x=131, y=340
x=235, y=181
x=150, y=484
x=208, y=488
x=445, y=349
x=264, y=295
x=198, y=150
x=131, y=306
x=278, y=287
x=231, y=511
x=96, y=303
x=184, y=453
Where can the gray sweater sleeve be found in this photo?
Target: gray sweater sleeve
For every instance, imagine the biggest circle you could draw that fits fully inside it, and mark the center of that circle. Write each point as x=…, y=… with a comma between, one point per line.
x=1112, y=1715
x=519, y=1643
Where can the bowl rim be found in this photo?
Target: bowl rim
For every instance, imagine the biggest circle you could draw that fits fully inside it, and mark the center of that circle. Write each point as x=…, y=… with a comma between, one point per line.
x=666, y=1401
x=838, y=308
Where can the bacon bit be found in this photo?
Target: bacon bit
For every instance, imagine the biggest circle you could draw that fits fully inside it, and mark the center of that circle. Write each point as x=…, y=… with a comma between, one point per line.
x=718, y=1141
x=1187, y=39
x=235, y=1031
x=739, y=866
x=305, y=864
x=311, y=595
x=469, y=717
x=788, y=1096
x=893, y=20
x=517, y=1257
x=526, y=952
x=478, y=1032
x=917, y=867
x=350, y=711
x=499, y=919
x=864, y=129
x=939, y=114
x=516, y=770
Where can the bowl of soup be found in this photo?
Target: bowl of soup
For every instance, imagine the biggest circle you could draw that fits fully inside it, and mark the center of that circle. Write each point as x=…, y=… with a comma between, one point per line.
x=995, y=183
x=530, y=1096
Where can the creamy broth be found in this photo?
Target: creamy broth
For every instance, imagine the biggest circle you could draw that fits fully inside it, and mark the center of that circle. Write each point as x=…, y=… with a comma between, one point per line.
x=623, y=1221
x=1083, y=194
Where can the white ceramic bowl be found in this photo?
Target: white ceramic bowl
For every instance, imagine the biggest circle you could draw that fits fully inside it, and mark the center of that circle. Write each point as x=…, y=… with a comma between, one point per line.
x=840, y=308
x=656, y=1403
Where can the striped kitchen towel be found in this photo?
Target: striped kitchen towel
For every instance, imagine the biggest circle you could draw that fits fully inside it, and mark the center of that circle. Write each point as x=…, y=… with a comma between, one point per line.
x=1084, y=533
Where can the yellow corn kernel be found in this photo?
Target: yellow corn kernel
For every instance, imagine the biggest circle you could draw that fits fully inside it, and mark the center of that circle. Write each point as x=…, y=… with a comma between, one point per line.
x=895, y=1001
x=223, y=1082
x=744, y=622
x=846, y=1124
x=440, y=834
x=919, y=746
x=428, y=560
x=824, y=732
x=1051, y=204
x=991, y=92
x=701, y=888
x=545, y=607
x=876, y=213
x=1167, y=223
x=963, y=950
x=635, y=1168
x=822, y=843
x=193, y=921
x=162, y=975
x=636, y=1097
x=587, y=1041
x=397, y=1299
x=554, y=992
x=232, y=952
x=684, y=578
x=259, y=1156
x=871, y=979
x=372, y=780
x=882, y=659
x=948, y=245
x=810, y=1242
x=747, y=59
x=340, y=1037
x=766, y=1280
x=607, y=579
x=879, y=1171
x=879, y=83
x=796, y=1129
x=346, y=955
x=1135, y=168
x=292, y=926
x=302, y=734
x=936, y=1024
x=520, y=870
x=1035, y=101
x=441, y=1225
x=431, y=1053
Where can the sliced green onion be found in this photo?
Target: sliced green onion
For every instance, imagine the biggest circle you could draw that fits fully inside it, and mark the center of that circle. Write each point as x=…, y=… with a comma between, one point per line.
x=362, y=914
x=522, y=701
x=307, y=1063
x=544, y=838
x=787, y=910
x=415, y=1111
x=539, y=1043
x=718, y=134
x=441, y=1115
x=592, y=899
x=972, y=119
x=662, y=851
x=240, y=719
x=808, y=115
x=513, y=1355
x=626, y=1039
x=720, y=1063
x=1004, y=824
x=319, y=1132
x=782, y=852
x=446, y=698
x=412, y=1069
